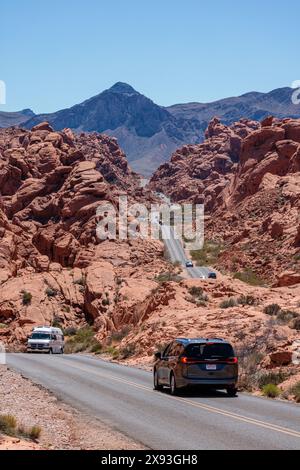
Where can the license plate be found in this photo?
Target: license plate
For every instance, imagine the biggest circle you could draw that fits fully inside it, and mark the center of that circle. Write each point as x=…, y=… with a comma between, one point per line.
x=211, y=367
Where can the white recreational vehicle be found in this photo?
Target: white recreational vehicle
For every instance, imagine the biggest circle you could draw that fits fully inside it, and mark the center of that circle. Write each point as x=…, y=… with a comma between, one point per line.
x=46, y=339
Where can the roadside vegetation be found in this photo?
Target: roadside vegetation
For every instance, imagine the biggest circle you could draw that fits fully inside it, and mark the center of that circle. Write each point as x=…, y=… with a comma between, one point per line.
x=10, y=427
x=82, y=340
x=208, y=255
x=242, y=300
x=284, y=317
x=168, y=276
x=249, y=277
x=26, y=297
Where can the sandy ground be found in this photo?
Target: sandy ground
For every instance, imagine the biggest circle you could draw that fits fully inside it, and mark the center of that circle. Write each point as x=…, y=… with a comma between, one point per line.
x=63, y=427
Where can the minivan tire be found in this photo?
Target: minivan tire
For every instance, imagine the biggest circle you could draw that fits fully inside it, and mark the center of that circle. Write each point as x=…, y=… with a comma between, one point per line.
x=156, y=383
x=173, y=387
x=232, y=392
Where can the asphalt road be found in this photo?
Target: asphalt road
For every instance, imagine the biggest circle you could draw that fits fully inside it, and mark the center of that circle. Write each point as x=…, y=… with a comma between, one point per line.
x=176, y=252
x=123, y=398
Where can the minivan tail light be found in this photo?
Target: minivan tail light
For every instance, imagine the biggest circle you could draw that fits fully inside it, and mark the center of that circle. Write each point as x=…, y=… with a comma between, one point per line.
x=186, y=360
x=232, y=360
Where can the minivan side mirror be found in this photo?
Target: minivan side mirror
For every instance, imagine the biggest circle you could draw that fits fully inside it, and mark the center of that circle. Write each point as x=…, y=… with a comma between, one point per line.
x=157, y=355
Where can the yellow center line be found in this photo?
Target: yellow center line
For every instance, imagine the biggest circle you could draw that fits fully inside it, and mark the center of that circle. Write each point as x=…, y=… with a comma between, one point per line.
x=212, y=409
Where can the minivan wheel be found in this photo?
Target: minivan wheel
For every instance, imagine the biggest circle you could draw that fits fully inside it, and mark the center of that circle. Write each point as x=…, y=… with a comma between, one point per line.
x=157, y=385
x=173, y=387
x=232, y=392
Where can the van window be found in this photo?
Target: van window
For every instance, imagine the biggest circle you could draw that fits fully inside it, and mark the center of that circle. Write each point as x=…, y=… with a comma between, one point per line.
x=40, y=336
x=209, y=351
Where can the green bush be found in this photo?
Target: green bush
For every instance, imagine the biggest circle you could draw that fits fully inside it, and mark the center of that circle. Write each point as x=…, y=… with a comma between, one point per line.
x=26, y=297
x=83, y=340
x=249, y=277
x=228, y=303
x=271, y=391
x=272, y=309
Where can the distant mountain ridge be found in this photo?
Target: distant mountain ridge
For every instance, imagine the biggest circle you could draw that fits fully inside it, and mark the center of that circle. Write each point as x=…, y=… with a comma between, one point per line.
x=149, y=133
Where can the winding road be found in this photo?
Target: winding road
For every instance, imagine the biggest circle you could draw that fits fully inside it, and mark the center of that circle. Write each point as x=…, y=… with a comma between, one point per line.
x=123, y=398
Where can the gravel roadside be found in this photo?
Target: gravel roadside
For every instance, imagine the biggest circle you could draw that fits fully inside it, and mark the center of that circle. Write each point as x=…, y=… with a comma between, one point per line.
x=63, y=427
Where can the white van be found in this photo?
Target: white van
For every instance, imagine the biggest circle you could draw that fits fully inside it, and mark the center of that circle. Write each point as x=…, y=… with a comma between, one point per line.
x=46, y=339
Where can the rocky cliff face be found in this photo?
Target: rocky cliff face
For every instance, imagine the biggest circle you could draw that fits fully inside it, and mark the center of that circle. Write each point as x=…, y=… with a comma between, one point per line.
x=248, y=177
x=52, y=265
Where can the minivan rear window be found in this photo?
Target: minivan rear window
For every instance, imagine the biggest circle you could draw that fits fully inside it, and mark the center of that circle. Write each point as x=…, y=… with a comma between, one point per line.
x=209, y=351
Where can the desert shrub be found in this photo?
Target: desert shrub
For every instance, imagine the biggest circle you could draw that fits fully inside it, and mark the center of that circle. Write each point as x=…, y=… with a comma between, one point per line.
x=285, y=316
x=208, y=255
x=70, y=331
x=8, y=424
x=96, y=348
x=295, y=390
x=275, y=378
x=246, y=300
x=81, y=281
x=26, y=297
x=127, y=351
x=57, y=321
x=168, y=277
x=119, y=335
x=248, y=364
x=51, y=292
x=272, y=309
x=2, y=325
x=295, y=324
x=83, y=340
x=105, y=302
x=66, y=308
x=228, y=303
x=249, y=277
x=271, y=391
x=35, y=432
x=198, y=295
x=112, y=351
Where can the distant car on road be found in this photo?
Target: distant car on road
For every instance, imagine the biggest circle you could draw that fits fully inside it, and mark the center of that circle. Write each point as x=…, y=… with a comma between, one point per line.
x=189, y=264
x=212, y=276
x=197, y=362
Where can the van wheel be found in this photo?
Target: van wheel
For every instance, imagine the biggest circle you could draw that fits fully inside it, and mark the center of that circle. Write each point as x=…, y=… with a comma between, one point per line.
x=173, y=387
x=232, y=392
x=50, y=351
x=157, y=385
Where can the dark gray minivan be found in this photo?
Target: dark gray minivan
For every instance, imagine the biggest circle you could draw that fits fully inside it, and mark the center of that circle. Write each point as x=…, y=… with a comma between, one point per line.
x=202, y=362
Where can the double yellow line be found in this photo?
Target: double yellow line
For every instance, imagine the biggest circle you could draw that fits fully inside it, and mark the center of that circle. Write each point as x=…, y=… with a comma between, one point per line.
x=212, y=409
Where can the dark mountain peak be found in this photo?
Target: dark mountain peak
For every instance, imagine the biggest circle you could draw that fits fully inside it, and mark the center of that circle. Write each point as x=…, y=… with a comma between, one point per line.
x=123, y=88
x=27, y=112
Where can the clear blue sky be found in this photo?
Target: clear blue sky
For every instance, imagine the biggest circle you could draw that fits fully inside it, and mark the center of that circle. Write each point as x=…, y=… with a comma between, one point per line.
x=57, y=53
